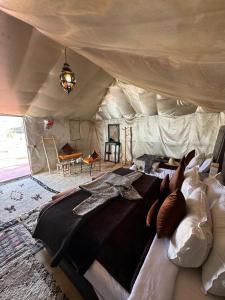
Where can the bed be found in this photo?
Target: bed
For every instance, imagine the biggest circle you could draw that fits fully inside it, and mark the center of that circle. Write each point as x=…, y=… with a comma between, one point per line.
x=100, y=279
x=115, y=235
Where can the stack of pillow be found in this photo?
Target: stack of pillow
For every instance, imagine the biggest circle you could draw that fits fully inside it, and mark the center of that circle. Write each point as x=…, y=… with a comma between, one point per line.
x=192, y=214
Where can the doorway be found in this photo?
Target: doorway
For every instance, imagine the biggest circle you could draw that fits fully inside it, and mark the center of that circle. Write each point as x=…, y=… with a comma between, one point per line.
x=14, y=160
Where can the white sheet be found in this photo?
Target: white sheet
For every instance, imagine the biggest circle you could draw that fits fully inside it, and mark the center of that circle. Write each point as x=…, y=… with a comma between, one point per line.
x=157, y=276
x=106, y=287
x=158, y=279
x=150, y=281
x=189, y=286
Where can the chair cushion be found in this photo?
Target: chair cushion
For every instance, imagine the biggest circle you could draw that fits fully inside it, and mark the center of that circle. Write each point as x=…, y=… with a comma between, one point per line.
x=70, y=156
x=94, y=155
x=66, y=149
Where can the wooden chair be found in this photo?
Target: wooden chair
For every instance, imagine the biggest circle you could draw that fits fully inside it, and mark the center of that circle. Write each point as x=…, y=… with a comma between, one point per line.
x=91, y=161
x=63, y=162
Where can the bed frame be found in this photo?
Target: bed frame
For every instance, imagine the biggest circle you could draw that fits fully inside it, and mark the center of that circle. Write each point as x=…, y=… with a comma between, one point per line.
x=80, y=282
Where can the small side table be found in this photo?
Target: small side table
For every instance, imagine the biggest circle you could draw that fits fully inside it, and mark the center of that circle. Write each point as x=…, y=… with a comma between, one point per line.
x=112, y=148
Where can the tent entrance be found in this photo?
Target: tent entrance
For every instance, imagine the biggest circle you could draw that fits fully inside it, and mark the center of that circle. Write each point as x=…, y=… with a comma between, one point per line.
x=14, y=160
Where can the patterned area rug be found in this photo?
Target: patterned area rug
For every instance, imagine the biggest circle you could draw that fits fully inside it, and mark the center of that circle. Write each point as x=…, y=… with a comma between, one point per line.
x=21, y=275
x=60, y=183
x=21, y=196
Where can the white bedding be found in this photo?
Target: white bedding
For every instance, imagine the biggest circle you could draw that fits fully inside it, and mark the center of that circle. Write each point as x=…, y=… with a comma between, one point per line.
x=158, y=279
x=106, y=287
x=161, y=173
x=150, y=280
x=157, y=276
x=189, y=286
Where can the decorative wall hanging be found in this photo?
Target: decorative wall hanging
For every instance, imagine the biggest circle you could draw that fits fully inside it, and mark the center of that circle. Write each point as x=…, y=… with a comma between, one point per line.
x=67, y=77
x=48, y=123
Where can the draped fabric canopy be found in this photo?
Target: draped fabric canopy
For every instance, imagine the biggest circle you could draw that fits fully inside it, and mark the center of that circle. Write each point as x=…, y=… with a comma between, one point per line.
x=173, y=48
x=30, y=64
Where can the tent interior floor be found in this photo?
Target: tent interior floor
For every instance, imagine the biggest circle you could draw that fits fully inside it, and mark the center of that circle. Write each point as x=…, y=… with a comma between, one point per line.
x=59, y=276
x=59, y=182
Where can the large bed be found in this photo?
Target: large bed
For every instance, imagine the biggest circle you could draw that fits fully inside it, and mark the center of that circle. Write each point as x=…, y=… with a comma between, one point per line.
x=127, y=260
x=115, y=235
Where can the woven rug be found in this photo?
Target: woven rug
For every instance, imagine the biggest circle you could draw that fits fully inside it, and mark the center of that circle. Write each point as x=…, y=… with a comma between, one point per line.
x=60, y=183
x=22, y=276
x=22, y=196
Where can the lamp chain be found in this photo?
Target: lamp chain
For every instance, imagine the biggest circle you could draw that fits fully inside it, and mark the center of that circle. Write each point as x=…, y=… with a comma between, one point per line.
x=65, y=56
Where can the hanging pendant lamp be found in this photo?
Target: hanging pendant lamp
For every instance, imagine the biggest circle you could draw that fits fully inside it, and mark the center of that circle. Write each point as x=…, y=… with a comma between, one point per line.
x=67, y=77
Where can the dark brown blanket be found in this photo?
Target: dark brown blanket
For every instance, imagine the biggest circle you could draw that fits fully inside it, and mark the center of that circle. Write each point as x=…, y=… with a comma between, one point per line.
x=115, y=234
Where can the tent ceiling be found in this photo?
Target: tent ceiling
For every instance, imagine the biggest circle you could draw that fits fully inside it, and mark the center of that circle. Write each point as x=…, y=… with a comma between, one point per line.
x=30, y=66
x=174, y=48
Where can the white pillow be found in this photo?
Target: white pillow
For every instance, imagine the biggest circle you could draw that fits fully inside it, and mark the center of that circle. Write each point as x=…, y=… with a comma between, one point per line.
x=213, y=271
x=196, y=161
x=192, y=240
x=191, y=182
x=205, y=166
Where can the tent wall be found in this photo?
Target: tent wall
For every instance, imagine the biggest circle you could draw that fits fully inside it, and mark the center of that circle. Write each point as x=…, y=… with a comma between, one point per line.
x=168, y=136
x=61, y=132
x=128, y=101
x=174, y=48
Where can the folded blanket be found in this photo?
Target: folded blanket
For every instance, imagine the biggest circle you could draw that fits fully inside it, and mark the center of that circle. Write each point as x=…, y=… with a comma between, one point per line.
x=107, y=187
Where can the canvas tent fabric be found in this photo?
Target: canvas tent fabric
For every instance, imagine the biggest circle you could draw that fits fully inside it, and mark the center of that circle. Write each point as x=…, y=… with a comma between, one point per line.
x=160, y=135
x=156, y=65
x=61, y=130
x=173, y=48
x=30, y=67
x=129, y=101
